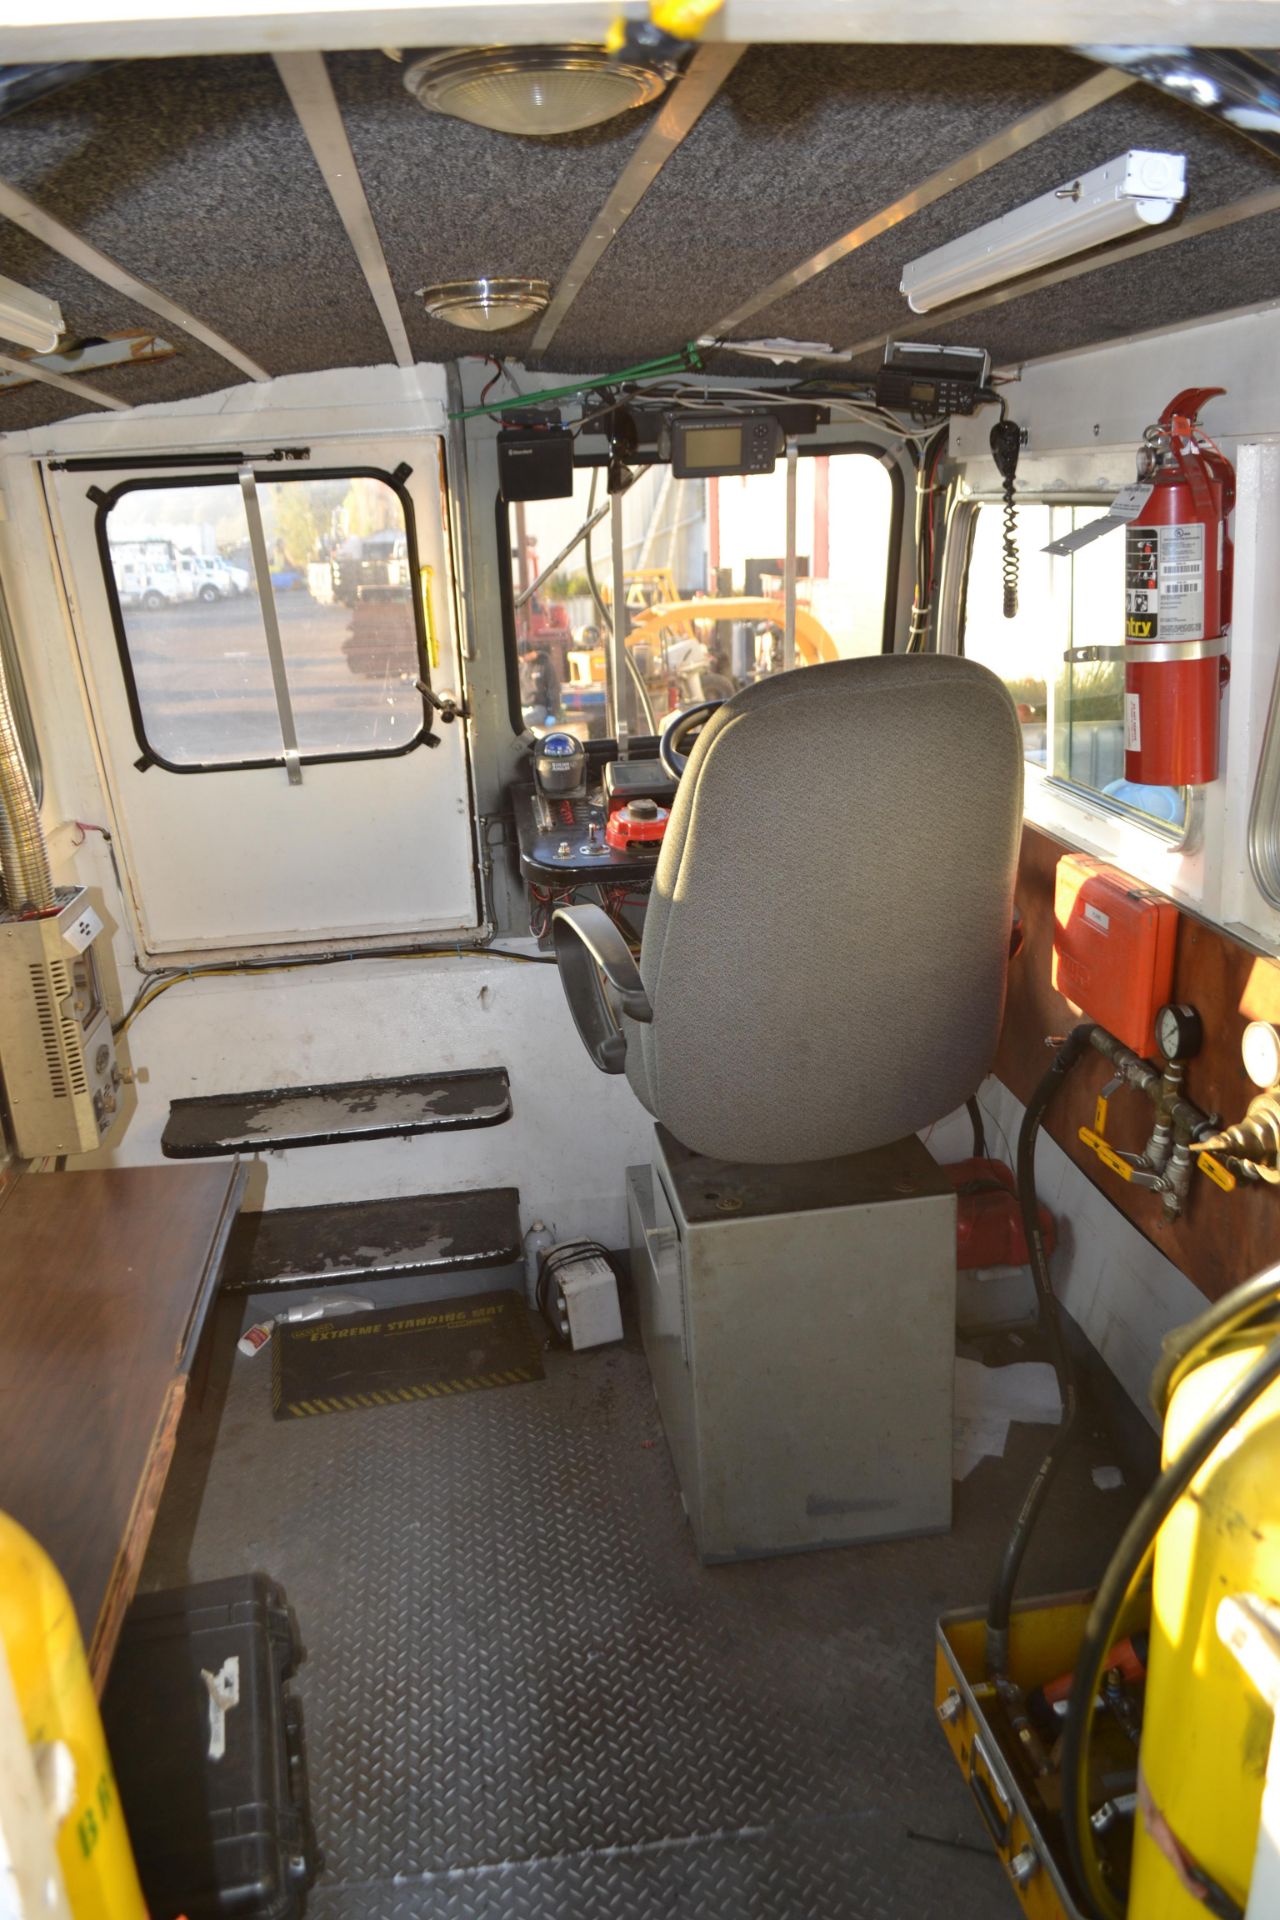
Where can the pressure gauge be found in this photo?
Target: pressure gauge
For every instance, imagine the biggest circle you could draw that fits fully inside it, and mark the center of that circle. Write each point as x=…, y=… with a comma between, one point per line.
x=1179, y=1034
x=1260, y=1047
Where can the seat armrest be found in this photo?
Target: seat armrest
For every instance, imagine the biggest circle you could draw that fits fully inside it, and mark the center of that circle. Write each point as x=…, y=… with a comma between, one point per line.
x=587, y=945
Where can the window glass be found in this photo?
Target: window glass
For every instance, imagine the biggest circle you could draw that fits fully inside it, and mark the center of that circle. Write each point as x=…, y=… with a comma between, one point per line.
x=721, y=542
x=343, y=591
x=1072, y=713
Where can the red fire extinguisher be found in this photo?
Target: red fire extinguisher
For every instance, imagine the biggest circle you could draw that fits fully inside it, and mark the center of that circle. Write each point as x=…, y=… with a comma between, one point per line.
x=1177, y=600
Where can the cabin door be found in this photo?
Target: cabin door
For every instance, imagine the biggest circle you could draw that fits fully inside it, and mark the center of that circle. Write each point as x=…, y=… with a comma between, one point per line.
x=252, y=631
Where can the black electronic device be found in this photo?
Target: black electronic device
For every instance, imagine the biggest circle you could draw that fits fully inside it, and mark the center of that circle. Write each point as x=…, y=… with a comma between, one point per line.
x=647, y=419
x=535, y=465
x=932, y=382
x=560, y=765
x=626, y=780
x=702, y=446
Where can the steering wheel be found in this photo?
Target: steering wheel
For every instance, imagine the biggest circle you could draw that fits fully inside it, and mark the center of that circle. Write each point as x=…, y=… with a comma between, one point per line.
x=675, y=743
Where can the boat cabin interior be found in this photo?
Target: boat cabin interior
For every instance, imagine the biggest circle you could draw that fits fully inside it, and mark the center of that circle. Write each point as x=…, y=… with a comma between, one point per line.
x=639, y=960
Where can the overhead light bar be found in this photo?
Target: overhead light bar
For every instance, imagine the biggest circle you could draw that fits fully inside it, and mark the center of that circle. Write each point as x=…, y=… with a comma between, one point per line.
x=535, y=90
x=1136, y=190
x=485, y=304
x=29, y=318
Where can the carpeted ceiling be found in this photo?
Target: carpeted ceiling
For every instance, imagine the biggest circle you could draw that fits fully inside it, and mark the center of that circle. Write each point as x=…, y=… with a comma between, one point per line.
x=195, y=175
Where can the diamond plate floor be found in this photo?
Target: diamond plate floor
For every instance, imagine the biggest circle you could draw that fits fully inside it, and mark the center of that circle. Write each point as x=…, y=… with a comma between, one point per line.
x=525, y=1698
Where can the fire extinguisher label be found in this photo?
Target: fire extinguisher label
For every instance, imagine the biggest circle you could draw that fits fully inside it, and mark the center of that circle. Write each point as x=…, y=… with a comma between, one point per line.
x=1164, y=582
x=1132, y=724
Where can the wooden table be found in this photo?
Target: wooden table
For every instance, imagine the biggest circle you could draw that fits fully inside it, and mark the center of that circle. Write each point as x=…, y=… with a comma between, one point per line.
x=105, y=1282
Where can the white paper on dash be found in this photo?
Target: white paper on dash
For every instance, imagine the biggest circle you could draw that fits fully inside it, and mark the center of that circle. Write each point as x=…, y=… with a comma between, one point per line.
x=988, y=1399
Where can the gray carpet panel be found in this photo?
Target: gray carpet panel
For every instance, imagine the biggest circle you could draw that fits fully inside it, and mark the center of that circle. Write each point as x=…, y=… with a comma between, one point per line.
x=800, y=145
x=860, y=296
x=452, y=200
x=195, y=175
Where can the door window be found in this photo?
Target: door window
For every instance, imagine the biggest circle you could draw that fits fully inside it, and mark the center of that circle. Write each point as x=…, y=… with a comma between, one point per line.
x=192, y=636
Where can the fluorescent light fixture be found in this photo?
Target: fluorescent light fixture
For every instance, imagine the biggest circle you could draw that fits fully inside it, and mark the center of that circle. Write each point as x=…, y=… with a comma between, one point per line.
x=28, y=318
x=1137, y=190
x=535, y=90
x=485, y=305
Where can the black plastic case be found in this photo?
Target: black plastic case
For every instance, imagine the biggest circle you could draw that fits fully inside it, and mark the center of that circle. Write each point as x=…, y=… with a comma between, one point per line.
x=229, y=1835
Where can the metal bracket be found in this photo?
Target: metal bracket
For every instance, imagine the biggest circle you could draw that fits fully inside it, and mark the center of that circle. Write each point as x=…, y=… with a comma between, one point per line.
x=1129, y=1166
x=271, y=626
x=1152, y=653
x=444, y=704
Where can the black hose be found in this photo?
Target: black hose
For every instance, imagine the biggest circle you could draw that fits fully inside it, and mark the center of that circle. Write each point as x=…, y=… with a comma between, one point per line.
x=979, y=1129
x=1118, y=1582
x=1001, y=1604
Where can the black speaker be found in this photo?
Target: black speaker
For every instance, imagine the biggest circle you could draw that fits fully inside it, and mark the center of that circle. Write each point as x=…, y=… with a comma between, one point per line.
x=536, y=466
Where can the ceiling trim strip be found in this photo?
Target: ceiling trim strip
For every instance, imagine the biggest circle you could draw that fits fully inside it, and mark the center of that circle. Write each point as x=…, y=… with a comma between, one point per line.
x=27, y=370
x=1047, y=119
x=42, y=226
x=1199, y=224
x=705, y=74
x=44, y=30
x=306, y=81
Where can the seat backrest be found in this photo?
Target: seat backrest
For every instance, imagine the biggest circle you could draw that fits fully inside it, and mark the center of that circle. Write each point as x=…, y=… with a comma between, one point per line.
x=827, y=940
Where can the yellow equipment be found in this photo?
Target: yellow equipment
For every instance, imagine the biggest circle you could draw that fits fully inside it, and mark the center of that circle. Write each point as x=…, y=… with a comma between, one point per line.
x=1206, y=1729
x=1044, y=1639
x=680, y=19
x=813, y=642
x=59, y=1713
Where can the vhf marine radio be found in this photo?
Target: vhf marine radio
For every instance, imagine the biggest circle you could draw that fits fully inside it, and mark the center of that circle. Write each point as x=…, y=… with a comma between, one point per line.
x=930, y=382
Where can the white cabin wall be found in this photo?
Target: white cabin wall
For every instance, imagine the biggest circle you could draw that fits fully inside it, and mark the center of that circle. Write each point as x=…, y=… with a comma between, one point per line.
x=572, y=1133
x=1084, y=414
x=574, y=1130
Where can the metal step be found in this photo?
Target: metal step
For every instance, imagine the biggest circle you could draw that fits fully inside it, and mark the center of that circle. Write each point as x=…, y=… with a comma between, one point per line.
x=365, y=1240
x=322, y=1116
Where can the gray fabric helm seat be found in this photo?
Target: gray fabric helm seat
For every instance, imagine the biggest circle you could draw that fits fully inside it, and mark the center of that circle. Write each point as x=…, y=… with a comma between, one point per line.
x=824, y=955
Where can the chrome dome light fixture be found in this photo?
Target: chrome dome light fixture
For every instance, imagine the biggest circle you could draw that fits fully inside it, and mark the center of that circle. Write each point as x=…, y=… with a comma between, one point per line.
x=486, y=305
x=535, y=90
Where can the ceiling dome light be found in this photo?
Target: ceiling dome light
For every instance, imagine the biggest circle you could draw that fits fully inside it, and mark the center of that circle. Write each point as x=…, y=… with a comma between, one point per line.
x=534, y=90
x=484, y=304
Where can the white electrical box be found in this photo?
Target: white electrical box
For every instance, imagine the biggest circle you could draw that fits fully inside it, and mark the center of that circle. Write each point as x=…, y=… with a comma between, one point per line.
x=57, y=1053
x=587, y=1301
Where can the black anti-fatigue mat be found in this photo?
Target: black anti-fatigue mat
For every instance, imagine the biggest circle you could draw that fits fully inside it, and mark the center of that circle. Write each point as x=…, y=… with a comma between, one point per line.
x=400, y=1354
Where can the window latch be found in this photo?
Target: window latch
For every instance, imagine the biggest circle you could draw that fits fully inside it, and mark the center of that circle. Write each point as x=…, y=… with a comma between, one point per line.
x=444, y=704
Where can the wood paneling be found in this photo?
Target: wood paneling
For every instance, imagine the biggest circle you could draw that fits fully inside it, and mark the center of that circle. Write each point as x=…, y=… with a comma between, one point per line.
x=1222, y=1238
x=105, y=1279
